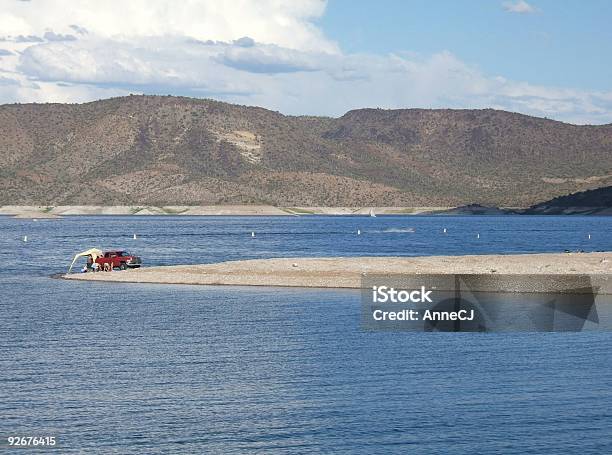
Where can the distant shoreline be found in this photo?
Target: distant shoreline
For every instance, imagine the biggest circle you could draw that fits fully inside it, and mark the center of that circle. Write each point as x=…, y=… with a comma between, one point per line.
x=43, y=212
x=21, y=211
x=510, y=273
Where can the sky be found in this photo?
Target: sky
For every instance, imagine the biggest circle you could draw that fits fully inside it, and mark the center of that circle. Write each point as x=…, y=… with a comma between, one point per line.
x=311, y=57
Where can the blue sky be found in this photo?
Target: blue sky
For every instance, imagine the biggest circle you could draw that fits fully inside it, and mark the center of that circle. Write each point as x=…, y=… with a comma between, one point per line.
x=538, y=57
x=563, y=42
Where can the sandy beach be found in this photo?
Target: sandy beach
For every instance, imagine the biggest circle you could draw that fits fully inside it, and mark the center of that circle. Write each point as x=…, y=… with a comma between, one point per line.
x=347, y=272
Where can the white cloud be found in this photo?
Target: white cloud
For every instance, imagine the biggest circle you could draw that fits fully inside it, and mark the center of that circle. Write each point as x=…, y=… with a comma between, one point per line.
x=268, y=59
x=519, y=6
x=242, y=58
x=285, y=23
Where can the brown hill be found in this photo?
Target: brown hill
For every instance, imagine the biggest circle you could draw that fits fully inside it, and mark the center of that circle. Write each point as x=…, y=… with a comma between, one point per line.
x=591, y=202
x=169, y=150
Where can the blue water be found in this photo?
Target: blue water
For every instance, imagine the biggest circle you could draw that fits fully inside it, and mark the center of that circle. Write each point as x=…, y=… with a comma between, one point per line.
x=128, y=368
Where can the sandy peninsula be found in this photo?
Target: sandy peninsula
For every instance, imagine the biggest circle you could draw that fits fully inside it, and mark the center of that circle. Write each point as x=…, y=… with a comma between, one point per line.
x=343, y=272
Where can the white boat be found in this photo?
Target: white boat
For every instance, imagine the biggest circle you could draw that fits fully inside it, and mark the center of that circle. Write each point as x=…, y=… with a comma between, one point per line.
x=372, y=213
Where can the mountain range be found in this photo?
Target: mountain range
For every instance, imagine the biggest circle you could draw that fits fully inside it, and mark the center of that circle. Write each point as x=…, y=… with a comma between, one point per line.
x=158, y=150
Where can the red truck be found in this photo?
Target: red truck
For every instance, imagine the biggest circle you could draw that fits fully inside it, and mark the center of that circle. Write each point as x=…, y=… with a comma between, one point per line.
x=118, y=260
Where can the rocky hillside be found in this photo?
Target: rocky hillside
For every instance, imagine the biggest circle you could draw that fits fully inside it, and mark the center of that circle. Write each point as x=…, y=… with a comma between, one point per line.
x=591, y=202
x=168, y=150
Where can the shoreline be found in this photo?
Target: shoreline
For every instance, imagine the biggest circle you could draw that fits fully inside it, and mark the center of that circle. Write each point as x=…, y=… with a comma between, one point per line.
x=41, y=211
x=59, y=211
x=503, y=273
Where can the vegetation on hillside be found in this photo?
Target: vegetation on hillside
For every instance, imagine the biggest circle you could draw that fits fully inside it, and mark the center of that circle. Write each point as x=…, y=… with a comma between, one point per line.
x=152, y=150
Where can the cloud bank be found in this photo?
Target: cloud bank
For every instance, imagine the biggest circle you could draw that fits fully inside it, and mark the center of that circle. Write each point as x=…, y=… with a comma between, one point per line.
x=266, y=53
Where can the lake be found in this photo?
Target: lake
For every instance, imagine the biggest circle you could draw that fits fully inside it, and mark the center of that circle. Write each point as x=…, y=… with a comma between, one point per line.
x=131, y=368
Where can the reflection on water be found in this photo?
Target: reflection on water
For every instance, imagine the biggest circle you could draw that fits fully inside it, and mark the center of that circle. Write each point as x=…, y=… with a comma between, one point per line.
x=120, y=368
